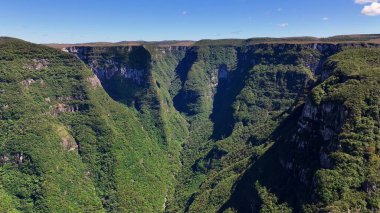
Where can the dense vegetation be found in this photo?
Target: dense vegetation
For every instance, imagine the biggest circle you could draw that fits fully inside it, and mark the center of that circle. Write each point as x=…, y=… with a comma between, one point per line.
x=228, y=125
x=66, y=145
x=323, y=157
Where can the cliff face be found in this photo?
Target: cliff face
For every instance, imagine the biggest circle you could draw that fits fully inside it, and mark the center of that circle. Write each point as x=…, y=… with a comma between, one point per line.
x=324, y=154
x=206, y=65
x=206, y=128
x=65, y=145
x=232, y=99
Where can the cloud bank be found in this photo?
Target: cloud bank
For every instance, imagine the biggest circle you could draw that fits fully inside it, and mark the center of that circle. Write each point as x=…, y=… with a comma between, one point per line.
x=365, y=1
x=372, y=9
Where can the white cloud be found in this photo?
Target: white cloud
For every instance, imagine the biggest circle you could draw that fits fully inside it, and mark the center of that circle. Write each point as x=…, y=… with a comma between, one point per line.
x=283, y=25
x=184, y=13
x=372, y=10
x=325, y=18
x=365, y=1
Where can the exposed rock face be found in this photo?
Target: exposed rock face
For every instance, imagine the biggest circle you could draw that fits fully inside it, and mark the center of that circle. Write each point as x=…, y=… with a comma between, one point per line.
x=114, y=65
x=64, y=108
x=316, y=135
x=220, y=74
x=3, y=159
x=28, y=82
x=108, y=62
x=69, y=144
x=123, y=71
x=171, y=49
x=114, y=68
x=109, y=66
x=38, y=64
x=94, y=81
x=369, y=187
x=17, y=158
x=324, y=121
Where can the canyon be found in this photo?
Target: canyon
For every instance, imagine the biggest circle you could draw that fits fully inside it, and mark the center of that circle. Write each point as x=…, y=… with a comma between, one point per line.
x=256, y=125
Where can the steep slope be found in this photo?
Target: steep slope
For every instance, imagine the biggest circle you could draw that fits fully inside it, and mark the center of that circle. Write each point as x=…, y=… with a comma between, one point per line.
x=268, y=80
x=141, y=78
x=66, y=145
x=230, y=98
x=228, y=104
x=324, y=157
x=248, y=125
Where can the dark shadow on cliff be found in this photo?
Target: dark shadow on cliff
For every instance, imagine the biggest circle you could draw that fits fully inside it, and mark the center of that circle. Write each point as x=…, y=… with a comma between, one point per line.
x=227, y=90
x=126, y=90
x=268, y=171
x=183, y=99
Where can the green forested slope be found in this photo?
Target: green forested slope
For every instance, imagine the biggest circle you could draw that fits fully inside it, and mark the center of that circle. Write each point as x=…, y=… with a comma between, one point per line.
x=219, y=126
x=65, y=144
x=324, y=156
x=249, y=104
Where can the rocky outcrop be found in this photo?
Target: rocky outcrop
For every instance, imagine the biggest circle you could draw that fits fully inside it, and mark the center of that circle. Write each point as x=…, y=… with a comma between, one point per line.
x=37, y=64
x=171, y=49
x=64, y=108
x=316, y=136
x=17, y=158
x=94, y=81
x=112, y=68
x=324, y=121
x=27, y=82
x=113, y=61
x=68, y=143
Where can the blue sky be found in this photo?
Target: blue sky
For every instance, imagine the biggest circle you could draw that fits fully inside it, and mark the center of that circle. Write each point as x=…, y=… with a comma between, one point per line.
x=74, y=21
